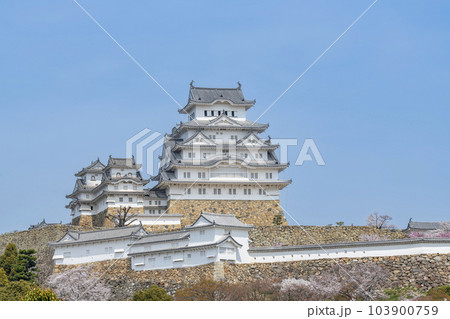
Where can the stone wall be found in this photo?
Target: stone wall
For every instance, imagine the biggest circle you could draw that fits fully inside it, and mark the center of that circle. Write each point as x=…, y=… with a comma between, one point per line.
x=306, y=235
x=255, y=212
x=38, y=239
x=124, y=281
x=83, y=221
x=161, y=228
x=100, y=219
x=420, y=271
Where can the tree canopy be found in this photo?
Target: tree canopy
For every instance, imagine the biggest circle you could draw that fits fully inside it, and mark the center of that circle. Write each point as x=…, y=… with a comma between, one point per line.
x=19, y=265
x=8, y=258
x=154, y=293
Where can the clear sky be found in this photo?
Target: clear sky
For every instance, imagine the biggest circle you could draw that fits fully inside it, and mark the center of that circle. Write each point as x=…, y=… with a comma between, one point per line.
x=377, y=104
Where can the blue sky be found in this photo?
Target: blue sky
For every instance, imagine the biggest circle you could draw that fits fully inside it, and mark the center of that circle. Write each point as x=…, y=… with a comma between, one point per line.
x=377, y=104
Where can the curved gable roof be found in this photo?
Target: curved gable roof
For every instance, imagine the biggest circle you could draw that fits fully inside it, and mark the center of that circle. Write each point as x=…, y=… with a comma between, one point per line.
x=204, y=95
x=219, y=220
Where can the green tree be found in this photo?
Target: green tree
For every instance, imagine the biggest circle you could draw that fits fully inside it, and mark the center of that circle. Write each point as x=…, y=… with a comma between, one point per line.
x=3, y=278
x=340, y=223
x=437, y=294
x=40, y=294
x=15, y=290
x=24, y=267
x=154, y=293
x=8, y=259
x=277, y=219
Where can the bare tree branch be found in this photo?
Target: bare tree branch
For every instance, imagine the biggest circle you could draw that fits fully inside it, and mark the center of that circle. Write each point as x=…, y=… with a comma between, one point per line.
x=123, y=218
x=380, y=221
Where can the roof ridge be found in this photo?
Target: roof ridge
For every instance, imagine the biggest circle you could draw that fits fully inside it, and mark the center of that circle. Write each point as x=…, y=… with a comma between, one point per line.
x=215, y=214
x=212, y=88
x=166, y=233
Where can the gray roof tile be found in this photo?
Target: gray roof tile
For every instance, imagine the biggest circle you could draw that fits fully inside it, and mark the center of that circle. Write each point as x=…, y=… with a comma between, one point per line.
x=221, y=220
x=209, y=95
x=97, y=235
x=424, y=225
x=154, y=238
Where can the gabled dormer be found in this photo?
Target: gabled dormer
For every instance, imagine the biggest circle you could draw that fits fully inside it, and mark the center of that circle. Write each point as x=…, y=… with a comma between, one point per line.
x=222, y=220
x=224, y=120
x=69, y=237
x=251, y=139
x=95, y=167
x=199, y=138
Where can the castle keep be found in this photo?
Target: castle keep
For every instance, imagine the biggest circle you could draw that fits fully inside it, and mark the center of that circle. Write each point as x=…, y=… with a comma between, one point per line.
x=215, y=161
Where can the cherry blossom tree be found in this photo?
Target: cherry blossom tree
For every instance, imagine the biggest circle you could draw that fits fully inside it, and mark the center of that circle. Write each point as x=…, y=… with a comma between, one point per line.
x=372, y=237
x=79, y=284
x=298, y=289
x=380, y=221
x=351, y=281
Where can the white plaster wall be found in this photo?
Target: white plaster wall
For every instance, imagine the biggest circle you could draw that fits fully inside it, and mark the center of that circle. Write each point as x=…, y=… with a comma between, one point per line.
x=376, y=251
x=97, y=252
x=98, y=179
x=202, y=235
x=123, y=172
x=240, y=112
x=180, y=192
x=141, y=247
x=165, y=219
x=187, y=258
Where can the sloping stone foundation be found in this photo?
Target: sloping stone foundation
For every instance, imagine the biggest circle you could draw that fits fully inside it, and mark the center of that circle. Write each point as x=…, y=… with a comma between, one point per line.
x=266, y=236
x=255, y=212
x=101, y=220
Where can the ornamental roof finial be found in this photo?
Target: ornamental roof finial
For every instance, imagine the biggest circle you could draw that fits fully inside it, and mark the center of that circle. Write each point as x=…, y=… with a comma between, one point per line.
x=239, y=84
x=192, y=84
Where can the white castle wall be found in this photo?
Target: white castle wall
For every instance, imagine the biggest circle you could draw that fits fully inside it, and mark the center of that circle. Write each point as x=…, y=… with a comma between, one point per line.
x=381, y=250
x=91, y=252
